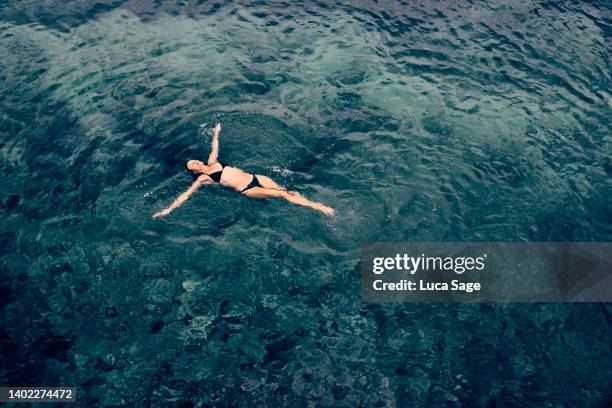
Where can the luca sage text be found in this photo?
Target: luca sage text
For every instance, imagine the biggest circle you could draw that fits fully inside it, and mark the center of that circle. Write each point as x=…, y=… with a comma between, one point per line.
x=422, y=285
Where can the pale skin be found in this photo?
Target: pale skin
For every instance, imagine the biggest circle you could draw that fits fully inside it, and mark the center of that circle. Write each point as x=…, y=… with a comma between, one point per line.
x=238, y=179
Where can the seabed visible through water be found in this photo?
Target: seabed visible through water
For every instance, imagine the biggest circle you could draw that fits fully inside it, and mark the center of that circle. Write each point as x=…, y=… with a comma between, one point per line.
x=424, y=121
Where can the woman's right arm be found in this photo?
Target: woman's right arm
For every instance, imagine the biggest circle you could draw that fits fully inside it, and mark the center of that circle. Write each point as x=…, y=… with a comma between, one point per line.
x=203, y=179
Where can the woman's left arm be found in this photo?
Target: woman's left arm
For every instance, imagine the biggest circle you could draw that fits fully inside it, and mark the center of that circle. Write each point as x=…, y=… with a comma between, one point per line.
x=213, y=157
x=203, y=179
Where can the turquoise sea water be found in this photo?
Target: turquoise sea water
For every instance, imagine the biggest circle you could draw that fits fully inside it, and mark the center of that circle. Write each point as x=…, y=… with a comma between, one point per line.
x=417, y=121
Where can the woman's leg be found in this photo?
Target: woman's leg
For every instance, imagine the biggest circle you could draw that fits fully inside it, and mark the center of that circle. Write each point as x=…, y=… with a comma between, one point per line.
x=291, y=196
x=267, y=182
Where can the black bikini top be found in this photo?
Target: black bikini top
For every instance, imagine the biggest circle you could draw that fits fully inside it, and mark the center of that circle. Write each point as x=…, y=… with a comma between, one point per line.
x=216, y=176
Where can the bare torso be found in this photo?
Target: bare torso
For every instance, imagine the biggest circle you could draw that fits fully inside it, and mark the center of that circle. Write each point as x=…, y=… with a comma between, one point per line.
x=233, y=177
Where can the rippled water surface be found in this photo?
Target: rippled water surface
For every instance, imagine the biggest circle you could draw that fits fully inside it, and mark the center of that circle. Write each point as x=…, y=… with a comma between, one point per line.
x=417, y=121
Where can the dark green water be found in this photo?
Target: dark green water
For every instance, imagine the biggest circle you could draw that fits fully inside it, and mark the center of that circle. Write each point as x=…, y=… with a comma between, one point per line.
x=425, y=121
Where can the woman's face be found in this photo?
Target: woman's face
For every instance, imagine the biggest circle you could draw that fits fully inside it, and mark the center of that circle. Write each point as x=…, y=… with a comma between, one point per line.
x=195, y=166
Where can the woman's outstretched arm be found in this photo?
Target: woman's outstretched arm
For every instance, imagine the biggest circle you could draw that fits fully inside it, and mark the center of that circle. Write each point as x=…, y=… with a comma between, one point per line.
x=203, y=179
x=214, y=148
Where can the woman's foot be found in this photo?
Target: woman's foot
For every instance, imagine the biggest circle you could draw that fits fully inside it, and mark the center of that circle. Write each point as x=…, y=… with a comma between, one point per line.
x=296, y=198
x=328, y=211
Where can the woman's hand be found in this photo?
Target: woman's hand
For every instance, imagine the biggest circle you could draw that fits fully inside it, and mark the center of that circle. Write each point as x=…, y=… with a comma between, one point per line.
x=182, y=198
x=218, y=128
x=161, y=213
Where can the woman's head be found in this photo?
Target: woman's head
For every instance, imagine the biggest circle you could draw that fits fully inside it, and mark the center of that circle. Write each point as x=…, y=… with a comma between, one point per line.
x=195, y=166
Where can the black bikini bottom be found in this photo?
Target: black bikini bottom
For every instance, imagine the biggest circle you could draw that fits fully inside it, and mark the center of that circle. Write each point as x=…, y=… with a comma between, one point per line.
x=254, y=183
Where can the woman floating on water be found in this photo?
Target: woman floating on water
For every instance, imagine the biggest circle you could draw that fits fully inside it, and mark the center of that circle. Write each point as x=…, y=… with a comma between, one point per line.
x=249, y=185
